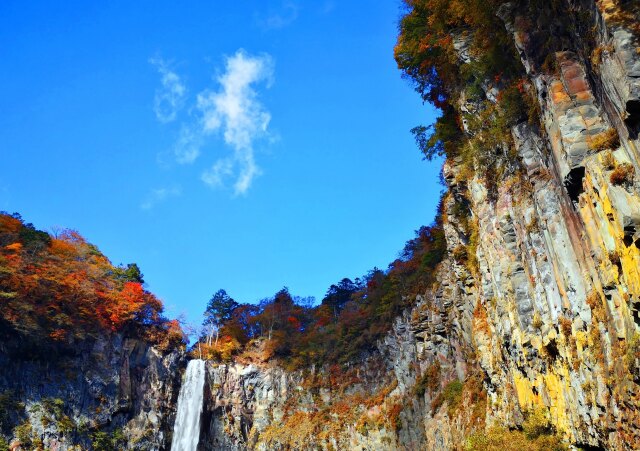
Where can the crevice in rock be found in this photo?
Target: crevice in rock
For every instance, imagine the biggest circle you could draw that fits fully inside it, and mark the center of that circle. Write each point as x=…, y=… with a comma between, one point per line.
x=632, y=121
x=587, y=447
x=552, y=350
x=636, y=315
x=573, y=183
x=629, y=232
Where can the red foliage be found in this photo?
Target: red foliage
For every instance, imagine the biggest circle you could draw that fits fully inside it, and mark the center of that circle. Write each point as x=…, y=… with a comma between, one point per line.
x=65, y=290
x=293, y=321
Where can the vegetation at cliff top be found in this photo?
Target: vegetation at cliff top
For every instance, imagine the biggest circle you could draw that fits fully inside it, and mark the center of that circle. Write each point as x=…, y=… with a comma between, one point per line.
x=60, y=290
x=347, y=323
x=426, y=52
x=433, y=35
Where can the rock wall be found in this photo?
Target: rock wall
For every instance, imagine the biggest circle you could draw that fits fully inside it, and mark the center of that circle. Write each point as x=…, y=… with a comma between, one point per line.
x=542, y=316
x=558, y=251
x=117, y=392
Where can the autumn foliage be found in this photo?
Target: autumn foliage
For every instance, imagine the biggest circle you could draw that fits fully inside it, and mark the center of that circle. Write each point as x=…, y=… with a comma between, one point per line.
x=63, y=289
x=426, y=54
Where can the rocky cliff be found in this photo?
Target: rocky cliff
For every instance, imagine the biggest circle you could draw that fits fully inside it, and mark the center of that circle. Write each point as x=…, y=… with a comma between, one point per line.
x=109, y=394
x=530, y=337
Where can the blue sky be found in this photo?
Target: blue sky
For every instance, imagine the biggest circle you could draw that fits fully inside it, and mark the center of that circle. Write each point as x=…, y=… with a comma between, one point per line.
x=239, y=145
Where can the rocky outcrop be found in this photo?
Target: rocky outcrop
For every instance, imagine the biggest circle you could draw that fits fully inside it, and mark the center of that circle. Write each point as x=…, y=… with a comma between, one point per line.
x=118, y=392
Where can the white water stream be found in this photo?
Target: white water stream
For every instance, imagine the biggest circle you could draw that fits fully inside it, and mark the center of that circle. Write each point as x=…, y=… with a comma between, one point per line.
x=186, y=430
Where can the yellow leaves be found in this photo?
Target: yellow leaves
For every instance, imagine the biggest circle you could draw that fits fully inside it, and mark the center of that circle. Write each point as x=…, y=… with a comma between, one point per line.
x=62, y=248
x=222, y=350
x=608, y=139
x=14, y=247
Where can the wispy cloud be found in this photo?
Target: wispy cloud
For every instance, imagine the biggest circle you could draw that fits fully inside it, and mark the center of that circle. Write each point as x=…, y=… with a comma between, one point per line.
x=159, y=195
x=219, y=172
x=281, y=17
x=231, y=110
x=236, y=111
x=169, y=98
x=187, y=147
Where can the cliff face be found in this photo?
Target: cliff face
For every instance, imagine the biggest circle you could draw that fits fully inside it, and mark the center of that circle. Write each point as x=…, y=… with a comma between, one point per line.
x=535, y=312
x=111, y=394
x=558, y=253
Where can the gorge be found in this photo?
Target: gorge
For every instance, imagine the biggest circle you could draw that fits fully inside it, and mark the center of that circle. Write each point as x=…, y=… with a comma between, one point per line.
x=511, y=323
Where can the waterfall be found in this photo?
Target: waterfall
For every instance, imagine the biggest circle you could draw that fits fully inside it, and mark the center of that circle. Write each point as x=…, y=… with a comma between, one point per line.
x=186, y=430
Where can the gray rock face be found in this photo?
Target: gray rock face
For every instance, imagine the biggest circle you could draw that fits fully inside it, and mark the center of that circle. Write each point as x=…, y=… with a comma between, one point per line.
x=113, y=385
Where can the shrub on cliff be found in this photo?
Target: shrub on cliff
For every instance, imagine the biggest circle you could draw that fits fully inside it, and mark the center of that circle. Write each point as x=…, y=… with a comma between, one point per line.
x=108, y=441
x=429, y=380
x=441, y=139
x=502, y=439
x=608, y=139
x=537, y=434
x=622, y=174
x=452, y=395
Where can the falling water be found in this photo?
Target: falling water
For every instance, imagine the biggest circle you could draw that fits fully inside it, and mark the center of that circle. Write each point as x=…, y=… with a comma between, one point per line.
x=186, y=430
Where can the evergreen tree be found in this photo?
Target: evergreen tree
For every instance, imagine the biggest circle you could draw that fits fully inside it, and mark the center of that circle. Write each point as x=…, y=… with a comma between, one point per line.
x=219, y=310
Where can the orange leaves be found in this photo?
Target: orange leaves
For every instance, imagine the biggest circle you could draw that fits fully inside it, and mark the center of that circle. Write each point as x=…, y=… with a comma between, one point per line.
x=9, y=224
x=173, y=328
x=121, y=307
x=14, y=247
x=10, y=259
x=62, y=248
x=63, y=289
x=71, y=236
x=132, y=294
x=223, y=350
x=58, y=335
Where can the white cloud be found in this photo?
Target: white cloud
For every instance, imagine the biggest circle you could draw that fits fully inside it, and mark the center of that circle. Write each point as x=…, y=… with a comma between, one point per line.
x=169, y=98
x=236, y=111
x=187, y=147
x=221, y=170
x=231, y=110
x=286, y=15
x=159, y=195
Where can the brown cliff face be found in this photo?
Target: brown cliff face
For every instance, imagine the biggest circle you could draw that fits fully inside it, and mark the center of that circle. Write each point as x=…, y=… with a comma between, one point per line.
x=535, y=316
